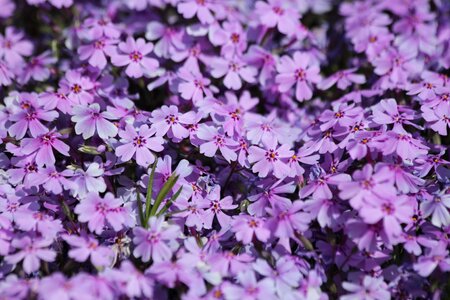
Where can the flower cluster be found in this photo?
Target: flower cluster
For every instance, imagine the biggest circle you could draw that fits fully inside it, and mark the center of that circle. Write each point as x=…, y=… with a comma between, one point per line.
x=206, y=149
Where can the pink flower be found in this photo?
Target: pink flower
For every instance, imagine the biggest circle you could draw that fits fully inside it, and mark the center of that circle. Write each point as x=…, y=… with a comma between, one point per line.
x=97, y=212
x=232, y=38
x=272, y=158
x=234, y=70
x=43, y=146
x=438, y=119
x=277, y=13
x=170, y=39
x=138, y=143
x=216, y=140
x=31, y=252
x=250, y=288
x=202, y=8
x=89, y=119
x=79, y=87
x=29, y=118
x=404, y=145
x=437, y=256
x=437, y=208
x=301, y=71
x=135, y=57
x=370, y=289
x=245, y=227
x=52, y=180
x=153, y=243
x=13, y=47
x=168, y=120
x=193, y=86
x=217, y=206
x=83, y=247
x=96, y=51
x=392, y=212
x=343, y=78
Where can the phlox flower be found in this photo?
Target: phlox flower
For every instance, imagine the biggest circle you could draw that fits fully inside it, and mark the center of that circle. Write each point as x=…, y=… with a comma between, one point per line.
x=201, y=8
x=90, y=180
x=235, y=70
x=388, y=112
x=193, y=86
x=13, y=47
x=154, y=242
x=95, y=52
x=139, y=144
x=438, y=209
x=89, y=119
x=276, y=13
x=344, y=79
x=134, y=55
x=391, y=212
x=249, y=288
x=271, y=158
x=217, y=206
x=216, y=140
x=31, y=251
x=246, y=227
x=43, y=146
x=299, y=70
x=98, y=212
x=436, y=257
x=168, y=120
x=370, y=289
x=83, y=247
x=438, y=119
x=52, y=180
x=170, y=39
x=79, y=88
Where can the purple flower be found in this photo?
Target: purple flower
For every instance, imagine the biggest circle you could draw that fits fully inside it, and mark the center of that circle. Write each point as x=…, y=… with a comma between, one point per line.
x=272, y=158
x=393, y=213
x=216, y=140
x=437, y=208
x=370, y=289
x=201, y=8
x=31, y=251
x=79, y=88
x=134, y=56
x=194, y=85
x=96, y=51
x=299, y=70
x=388, y=112
x=278, y=14
x=52, y=180
x=249, y=288
x=217, y=206
x=168, y=120
x=439, y=119
x=246, y=227
x=235, y=70
x=139, y=144
x=13, y=47
x=98, y=212
x=153, y=243
x=89, y=119
x=436, y=256
x=83, y=247
x=29, y=118
x=90, y=180
x=43, y=146
x=367, y=187
x=170, y=39
x=344, y=79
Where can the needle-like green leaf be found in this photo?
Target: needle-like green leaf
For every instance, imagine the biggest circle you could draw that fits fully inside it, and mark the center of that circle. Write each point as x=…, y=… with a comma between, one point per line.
x=170, y=202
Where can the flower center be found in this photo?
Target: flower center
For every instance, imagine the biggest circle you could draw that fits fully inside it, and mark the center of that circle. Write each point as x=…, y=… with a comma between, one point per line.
x=272, y=155
x=136, y=56
x=171, y=119
x=300, y=74
x=235, y=38
x=76, y=88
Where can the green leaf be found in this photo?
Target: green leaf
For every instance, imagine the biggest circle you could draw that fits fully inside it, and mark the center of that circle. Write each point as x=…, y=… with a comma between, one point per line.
x=163, y=193
x=148, y=198
x=170, y=202
x=140, y=211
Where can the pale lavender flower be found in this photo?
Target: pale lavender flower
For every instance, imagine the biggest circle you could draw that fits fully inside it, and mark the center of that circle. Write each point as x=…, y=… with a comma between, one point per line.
x=89, y=119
